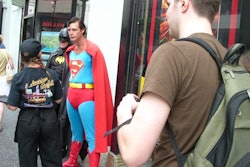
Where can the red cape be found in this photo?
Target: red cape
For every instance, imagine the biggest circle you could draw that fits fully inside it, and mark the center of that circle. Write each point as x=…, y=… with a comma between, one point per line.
x=104, y=109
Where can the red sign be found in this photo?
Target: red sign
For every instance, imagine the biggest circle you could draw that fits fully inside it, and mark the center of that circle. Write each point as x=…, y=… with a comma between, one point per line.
x=52, y=25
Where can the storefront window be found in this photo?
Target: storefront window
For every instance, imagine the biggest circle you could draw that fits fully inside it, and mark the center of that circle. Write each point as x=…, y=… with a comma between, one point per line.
x=152, y=31
x=145, y=28
x=233, y=23
x=28, y=27
x=230, y=25
x=53, y=15
x=29, y=14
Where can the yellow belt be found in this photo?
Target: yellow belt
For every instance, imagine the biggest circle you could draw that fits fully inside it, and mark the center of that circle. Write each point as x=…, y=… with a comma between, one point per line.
x=81, y=85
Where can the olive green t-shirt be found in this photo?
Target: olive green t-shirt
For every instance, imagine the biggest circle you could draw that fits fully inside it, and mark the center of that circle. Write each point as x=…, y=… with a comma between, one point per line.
x=186, y=76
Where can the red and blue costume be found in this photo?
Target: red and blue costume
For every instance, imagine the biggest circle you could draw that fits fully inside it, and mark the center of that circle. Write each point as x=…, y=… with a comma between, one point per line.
x=89, y=102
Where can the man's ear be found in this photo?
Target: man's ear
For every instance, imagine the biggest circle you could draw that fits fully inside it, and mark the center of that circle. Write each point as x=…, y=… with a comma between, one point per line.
x=184, y=4
x=83, y=30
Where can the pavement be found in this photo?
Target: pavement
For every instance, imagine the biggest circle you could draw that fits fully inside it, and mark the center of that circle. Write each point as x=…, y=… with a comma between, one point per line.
x=9, y=150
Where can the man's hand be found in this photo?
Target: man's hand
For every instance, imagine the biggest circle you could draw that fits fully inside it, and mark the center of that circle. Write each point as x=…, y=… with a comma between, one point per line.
x=127, y=107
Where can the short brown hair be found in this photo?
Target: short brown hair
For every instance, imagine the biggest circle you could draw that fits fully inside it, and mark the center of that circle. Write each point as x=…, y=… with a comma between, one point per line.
x=207, y=8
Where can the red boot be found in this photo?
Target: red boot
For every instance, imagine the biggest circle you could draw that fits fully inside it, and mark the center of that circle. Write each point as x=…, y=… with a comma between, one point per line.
x=73, y=155
x=94, y=159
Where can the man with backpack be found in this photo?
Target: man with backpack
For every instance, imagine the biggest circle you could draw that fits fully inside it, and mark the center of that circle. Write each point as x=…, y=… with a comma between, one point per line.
x=181, y=82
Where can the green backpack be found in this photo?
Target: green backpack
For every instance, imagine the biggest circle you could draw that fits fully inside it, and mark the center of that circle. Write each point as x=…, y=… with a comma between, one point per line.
x=225, y=141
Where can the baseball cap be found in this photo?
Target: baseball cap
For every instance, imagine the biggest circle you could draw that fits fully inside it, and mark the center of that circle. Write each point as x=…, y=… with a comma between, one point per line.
x=31, y=47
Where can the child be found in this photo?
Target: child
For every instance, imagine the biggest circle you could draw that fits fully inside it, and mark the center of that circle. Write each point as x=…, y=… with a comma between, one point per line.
x=35, y=90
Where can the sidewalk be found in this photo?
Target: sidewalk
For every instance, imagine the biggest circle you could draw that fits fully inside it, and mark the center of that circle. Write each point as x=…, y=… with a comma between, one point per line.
x=9, y=151
x=8, y=148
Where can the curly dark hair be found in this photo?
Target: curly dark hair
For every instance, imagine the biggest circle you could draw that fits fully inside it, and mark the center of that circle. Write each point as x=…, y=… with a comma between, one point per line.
x=26, y=60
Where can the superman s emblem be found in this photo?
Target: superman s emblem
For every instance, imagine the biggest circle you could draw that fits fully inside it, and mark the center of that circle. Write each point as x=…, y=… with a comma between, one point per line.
x=75, y=66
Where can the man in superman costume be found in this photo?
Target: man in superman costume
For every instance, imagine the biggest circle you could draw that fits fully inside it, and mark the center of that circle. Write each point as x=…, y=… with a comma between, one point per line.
x=89, y=100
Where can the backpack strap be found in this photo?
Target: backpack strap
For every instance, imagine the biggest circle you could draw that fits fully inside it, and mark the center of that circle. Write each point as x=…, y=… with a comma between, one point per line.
x=234, y=52
x=232, y=57
x=207, y=47
x=181, y=159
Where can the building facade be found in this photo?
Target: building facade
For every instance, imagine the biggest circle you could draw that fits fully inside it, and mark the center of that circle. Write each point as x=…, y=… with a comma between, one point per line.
x=11, y=13
x=127, y=31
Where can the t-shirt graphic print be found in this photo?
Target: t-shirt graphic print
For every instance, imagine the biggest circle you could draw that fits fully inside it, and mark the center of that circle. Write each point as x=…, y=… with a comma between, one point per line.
x=38, y=93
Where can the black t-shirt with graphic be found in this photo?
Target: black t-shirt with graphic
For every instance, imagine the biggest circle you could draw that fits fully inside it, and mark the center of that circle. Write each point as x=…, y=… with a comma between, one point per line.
x=35, y=87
